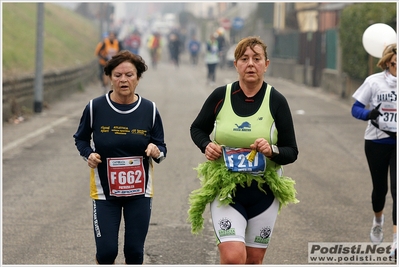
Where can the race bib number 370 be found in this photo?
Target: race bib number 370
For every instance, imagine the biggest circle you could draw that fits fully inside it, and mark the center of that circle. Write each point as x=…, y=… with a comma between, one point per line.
x=388, y=120
x=126, y=176
x=236, y=161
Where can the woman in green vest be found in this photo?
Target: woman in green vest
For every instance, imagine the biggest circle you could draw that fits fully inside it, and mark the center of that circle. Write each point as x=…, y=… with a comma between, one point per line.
x=245, y=129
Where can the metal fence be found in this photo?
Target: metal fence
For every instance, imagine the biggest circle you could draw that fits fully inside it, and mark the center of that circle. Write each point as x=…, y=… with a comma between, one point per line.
x=18, y=92
x=314, y=50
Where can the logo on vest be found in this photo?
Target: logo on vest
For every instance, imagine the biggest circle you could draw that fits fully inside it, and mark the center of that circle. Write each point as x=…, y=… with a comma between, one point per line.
x=244, y=127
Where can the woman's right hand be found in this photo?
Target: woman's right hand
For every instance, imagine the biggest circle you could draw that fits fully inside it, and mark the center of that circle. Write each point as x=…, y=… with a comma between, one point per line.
x=93, y=160
x=213, y=151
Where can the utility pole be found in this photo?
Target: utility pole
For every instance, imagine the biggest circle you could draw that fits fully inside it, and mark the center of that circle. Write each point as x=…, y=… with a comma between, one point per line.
x=39, y=60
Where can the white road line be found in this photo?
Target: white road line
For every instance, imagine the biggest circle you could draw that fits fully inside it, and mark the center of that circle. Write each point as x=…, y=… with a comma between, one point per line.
x=38, y=132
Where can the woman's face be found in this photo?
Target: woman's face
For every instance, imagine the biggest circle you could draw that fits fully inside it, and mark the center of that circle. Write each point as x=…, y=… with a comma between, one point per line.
x=392, y=65
x=124, y=79
x=252, y=65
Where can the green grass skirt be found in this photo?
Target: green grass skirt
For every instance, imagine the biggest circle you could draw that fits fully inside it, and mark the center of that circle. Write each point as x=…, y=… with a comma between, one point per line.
x=218, y=181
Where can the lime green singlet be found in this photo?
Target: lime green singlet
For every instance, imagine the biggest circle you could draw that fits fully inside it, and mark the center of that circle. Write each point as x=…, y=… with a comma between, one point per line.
x=235, y=131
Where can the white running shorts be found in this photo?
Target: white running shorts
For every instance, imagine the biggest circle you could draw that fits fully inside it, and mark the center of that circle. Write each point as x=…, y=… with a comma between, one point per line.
x=230, y=225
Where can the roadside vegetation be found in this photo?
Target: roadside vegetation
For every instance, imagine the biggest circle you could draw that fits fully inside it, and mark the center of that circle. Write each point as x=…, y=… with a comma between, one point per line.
x=354, y=20
x=69, y=39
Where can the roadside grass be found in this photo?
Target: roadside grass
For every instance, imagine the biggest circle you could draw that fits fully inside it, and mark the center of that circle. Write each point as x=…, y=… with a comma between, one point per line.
x=69, y=39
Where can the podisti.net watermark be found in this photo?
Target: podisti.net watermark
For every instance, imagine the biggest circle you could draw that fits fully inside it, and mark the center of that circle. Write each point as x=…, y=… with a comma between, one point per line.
x=349, y=252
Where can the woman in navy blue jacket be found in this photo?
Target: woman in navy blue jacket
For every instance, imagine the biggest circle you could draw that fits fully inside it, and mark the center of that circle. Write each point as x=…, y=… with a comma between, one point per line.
x=120, y=135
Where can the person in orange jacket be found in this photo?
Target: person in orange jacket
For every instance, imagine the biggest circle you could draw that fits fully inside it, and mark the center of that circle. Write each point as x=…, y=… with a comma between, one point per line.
x=154, y=45
x=105, y=49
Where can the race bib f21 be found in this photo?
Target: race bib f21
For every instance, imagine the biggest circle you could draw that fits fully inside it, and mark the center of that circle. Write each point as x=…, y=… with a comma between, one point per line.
x=236, y=160
x=126, y=176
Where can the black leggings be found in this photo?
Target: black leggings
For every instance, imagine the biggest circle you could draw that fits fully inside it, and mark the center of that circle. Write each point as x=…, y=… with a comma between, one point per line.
x=211, y=72
x=107, y=216
x=380, y=158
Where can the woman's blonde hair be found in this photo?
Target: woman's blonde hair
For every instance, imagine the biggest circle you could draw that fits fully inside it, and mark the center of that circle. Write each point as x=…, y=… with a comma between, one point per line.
x=387, y=55
x=250, y=41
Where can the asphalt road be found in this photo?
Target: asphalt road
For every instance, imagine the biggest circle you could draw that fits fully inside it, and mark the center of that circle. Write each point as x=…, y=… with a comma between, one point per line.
x=47, y=209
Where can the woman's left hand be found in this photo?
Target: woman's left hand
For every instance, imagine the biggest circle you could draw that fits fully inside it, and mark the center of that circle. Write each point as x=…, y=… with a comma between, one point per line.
x=152, y=151
x=262, y=145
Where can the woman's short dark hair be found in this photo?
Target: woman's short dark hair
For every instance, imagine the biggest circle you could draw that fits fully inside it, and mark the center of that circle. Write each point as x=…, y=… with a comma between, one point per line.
x=125, y=56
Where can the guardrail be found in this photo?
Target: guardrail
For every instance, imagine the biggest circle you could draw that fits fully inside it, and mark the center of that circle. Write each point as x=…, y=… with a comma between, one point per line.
x=18, y=92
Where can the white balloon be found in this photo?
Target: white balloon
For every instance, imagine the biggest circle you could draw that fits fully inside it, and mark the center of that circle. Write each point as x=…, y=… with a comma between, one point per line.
x=376, y=37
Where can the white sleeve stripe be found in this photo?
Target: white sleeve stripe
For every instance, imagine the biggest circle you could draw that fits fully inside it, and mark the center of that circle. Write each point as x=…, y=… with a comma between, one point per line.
x=154, y=114
x=91, y=113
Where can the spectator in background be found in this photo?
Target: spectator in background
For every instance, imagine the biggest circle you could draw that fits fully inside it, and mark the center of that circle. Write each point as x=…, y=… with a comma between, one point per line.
x=174, y=48
x=222, y=43
x=194, y=47
x=104, y=51
x=212, y=58
x=154, y=46
x=133, y=42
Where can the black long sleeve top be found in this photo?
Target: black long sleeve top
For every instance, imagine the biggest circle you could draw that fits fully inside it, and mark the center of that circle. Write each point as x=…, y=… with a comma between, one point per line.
x=202, y=126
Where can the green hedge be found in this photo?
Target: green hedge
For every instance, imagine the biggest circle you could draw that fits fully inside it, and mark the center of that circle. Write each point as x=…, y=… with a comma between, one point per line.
x=355, y=19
